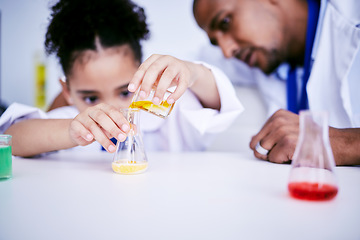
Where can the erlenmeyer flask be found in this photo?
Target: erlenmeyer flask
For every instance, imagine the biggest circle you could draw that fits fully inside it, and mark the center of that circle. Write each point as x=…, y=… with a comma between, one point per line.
x=130, y=156
x=312, y=174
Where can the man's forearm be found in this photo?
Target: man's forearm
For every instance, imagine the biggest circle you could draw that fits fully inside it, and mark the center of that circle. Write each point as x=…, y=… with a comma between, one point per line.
x=345, y=144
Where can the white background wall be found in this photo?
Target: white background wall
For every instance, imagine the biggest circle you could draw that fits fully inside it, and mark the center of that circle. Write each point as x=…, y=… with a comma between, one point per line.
x=23, y=26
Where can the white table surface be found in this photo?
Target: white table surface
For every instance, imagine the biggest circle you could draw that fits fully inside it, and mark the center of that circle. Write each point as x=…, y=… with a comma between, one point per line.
x=208, y=195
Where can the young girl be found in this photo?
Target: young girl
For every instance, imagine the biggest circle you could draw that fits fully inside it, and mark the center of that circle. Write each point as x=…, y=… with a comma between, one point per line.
x=98, y=46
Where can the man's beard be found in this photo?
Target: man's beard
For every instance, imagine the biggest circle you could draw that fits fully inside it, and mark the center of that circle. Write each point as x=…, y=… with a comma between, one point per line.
x=273, y=59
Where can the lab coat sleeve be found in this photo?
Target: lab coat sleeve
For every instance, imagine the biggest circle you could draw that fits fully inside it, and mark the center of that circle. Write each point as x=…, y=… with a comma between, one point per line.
x=206, y=120
x=18, y=112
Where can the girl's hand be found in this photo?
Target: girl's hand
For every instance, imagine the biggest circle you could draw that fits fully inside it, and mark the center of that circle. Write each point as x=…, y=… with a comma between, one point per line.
x=163, y=71
x=100, y=123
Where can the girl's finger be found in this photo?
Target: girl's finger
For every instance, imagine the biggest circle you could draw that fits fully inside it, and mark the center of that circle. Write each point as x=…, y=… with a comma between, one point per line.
x=81, y=135
x=169, y=75
x=117, y=117
x=96, y=131
x=140, y=73
x=103, y=120
x=179, y=91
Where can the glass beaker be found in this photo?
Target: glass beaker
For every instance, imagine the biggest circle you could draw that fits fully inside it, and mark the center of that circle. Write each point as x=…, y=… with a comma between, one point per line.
x=161, y=110
x=312, y=174
x=130, y=156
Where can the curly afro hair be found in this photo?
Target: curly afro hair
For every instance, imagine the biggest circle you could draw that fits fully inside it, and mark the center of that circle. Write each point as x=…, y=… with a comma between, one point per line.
x=75, y=25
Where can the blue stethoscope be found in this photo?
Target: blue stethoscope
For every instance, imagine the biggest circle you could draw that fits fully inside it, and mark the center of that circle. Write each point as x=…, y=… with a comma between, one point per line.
x=295, y=104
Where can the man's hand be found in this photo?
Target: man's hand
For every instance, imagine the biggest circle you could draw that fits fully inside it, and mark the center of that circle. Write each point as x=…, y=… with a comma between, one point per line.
x=280, y=133
x=279, y=136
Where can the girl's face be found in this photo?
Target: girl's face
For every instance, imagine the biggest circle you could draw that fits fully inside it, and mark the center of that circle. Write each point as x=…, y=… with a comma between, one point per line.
x=101, y=77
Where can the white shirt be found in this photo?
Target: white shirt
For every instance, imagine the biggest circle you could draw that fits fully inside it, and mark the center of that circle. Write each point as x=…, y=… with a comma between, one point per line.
x=189, y=127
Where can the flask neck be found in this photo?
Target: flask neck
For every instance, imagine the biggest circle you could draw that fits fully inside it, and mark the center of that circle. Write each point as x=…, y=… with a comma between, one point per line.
x=314, y=127
x=132, y=116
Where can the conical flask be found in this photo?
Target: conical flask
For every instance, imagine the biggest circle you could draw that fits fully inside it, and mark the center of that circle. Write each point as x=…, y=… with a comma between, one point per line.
x=130, y=156
x=312, y=174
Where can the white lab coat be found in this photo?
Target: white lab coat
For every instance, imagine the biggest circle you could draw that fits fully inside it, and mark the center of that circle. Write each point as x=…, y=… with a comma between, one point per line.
x=334, y=82
x=189, y=127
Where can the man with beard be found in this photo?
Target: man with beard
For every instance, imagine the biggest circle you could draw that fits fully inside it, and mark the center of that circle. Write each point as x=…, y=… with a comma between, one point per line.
x=320, y=42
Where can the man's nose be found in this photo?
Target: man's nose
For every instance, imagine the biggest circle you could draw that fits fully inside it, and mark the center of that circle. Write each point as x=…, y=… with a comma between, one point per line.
x=227, y=45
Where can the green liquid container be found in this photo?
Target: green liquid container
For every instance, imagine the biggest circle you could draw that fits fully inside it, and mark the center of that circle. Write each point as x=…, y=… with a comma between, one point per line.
x=5, y=157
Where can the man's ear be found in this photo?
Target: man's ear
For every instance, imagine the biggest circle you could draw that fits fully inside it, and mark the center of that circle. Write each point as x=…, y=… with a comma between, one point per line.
x=66, y=92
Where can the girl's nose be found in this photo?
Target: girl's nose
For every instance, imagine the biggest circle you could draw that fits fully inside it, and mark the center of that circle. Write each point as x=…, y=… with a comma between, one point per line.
x=121, y=104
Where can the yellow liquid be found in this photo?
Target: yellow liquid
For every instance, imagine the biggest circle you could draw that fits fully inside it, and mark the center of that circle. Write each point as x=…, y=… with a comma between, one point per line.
x=161, y=110
x=125, y=167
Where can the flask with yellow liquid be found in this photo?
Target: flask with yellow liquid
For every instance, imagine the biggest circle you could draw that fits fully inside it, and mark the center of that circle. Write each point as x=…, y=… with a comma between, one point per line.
x=162, y=110
x=130, y=156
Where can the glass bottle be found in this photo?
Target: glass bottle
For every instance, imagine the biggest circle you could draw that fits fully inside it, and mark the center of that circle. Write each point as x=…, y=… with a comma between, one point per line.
x=130, y=156
x=312, y=174
x=162, y=110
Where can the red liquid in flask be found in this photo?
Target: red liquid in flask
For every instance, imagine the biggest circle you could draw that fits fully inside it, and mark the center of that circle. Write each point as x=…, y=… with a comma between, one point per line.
x=312, y=191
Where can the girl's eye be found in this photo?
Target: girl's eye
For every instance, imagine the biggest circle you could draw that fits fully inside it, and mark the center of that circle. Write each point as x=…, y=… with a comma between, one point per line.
x=91, y=100
x=125, y=94
x=224, y=24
